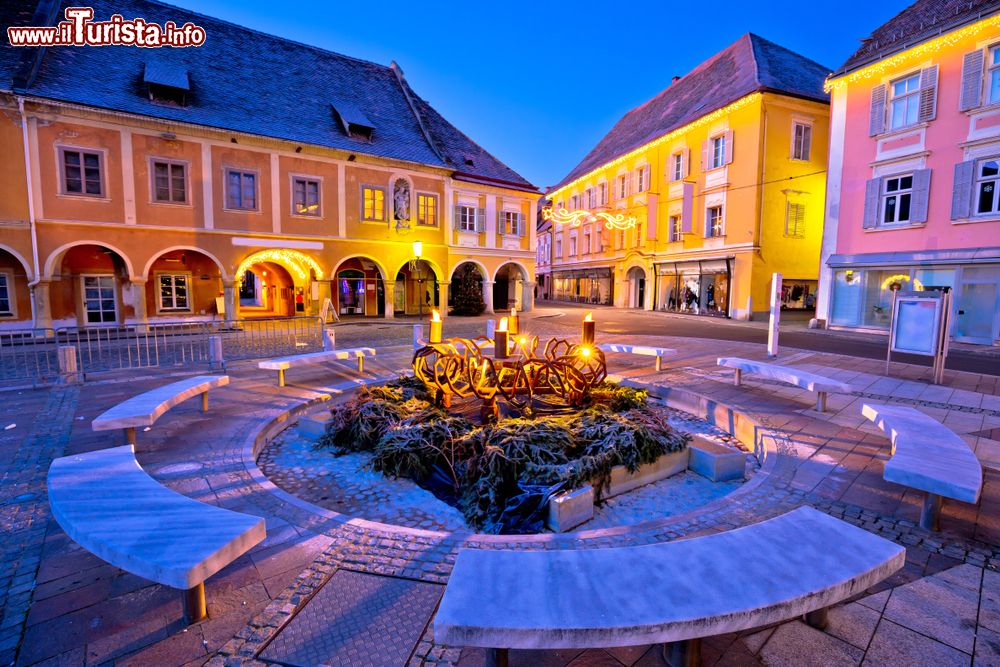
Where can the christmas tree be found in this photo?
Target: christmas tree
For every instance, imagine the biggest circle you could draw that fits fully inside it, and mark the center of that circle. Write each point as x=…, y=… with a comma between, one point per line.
x=468, y=299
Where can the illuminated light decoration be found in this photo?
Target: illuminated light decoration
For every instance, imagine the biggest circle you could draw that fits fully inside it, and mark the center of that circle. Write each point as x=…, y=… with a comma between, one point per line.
x=919, y=51
x=577, y=218
x=698, y=122
x=298, y=263
x=902, y=278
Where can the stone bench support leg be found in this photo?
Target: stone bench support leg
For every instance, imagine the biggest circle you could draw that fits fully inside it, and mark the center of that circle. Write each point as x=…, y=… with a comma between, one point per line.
x=361, y=364
x=820, y=401
x=686, y=653
x=194, y=604
x=204, y=401
x=130, y=435
x=659, y=363
x=738, y=377
x=496, y=657
x=281, y=377
x=818, y=618
x=930, y=514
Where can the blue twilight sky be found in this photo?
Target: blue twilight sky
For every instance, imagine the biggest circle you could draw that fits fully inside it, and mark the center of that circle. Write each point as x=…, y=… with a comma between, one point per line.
x=539, y=83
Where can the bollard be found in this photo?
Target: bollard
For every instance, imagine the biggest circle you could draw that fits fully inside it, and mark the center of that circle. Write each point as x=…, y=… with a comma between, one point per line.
x=68, y=369
x=330, y=341
x=417, y=330
x=491, y=328
x=775, y=319
x=215, y=358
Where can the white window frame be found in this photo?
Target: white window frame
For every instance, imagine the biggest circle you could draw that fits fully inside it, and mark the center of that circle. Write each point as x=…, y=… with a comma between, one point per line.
x=602, y=193
x=170, y=201
x=676, y=167
x=801, y=146
x=574, y=200
x=83, y=298
x=795, y=226
x=718, y=228
x=10, y=294
x=642, y=178
x=572, y=246
x=173, y=275
x=557, y=254
x=587, y=241
x=718, y=151
x=909, y=98
x=466, y=218
x=509, y=223
x=318, y=180
x=621, y=186
x=992, y=69
x=227, y=204
x=978, y=183
x=885, y=195
x=385, y=203
x=675, y=225
x=437, y=208
x=61, y=151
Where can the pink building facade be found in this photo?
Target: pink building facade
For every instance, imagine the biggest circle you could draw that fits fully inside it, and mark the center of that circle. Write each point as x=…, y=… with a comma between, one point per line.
x=913, y=193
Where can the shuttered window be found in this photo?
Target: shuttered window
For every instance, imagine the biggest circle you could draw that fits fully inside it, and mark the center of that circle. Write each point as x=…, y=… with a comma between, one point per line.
x=512, y=223
x=466, y=218
x=897, y=200
x=718, y=156
x=675, y=230
x=972, y=81
x=676, y=167
x=602, y=196
x=795, y=220
x=993, y=76
x=897, y=193
x=987, y=182
x=904, y=104
x=621, y=188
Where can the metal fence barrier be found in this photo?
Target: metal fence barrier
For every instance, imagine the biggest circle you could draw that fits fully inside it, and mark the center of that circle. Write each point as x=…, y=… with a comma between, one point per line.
x=32, y=354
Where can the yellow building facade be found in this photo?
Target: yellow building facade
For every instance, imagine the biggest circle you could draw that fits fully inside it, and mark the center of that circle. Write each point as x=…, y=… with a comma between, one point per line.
x=155, y=206
x=722, y=197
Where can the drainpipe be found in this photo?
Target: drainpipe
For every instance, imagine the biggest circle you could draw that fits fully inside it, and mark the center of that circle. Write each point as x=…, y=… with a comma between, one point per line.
x=31, y=201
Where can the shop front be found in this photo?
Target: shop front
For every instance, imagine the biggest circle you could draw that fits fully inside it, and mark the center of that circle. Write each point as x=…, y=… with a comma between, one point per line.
x=862, y=290
x=592, y=286
x=700, y=287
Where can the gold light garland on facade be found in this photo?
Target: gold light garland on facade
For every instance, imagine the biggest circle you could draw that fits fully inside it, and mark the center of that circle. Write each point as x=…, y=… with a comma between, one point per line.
x=901, y=278
x=698, y=122
x=577, y=218
x=293, y=260
x=931, y=46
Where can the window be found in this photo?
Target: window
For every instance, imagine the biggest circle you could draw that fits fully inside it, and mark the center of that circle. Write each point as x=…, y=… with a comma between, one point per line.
x=676, y=167
x=795, y=220
x=987, y=180
x=572, y=246
x=801, y=141
x=993, y=76
x=99, y=301
x=586, y=242
x=510, y=223
x=641, y=180
x=82, y=172
x=573, y=203
x=718, y=157
x=6, y=298
x=896, y=194
x=591, y=197
x=621, y=186
x=713, y=221
x=427, y=210
x=674, y=228
x=558, y=253
x=169, y=182
x=241, y=193
x=602, y=194
x=174, y=292
x=372, y=203
x=904, y=104
x=305, y=196
x=467, y=218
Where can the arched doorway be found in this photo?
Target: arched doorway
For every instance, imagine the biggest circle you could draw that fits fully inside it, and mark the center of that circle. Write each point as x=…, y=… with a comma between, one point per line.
x=278, y=283
x=91, y=286
x=15, y=298
x=184, y=283
x=466, y=295
x=359, y=288
x=636, y=277
x=416, y=290
x=508, y=287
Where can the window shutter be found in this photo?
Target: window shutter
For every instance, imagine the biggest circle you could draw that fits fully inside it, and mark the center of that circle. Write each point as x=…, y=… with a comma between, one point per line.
x=458, y=217
x=876, y=119
x=729, y=147
x=522, y=227
x=500, y=225
x=963, y=190
x=705, y=147
x=921, y=192
x=928, y=94
x=480, y=219
x=972, y=81
x=873, y=189
x=687, y=209
x=685, y=162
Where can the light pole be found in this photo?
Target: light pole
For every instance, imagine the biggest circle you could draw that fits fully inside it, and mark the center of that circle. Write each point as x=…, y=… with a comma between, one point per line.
x=418, y=250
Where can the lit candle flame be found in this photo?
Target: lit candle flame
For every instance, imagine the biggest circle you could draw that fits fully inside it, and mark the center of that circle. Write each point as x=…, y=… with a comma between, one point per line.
x=589, y=317
x=513, y=312
x=435, y=316
x=503, y=324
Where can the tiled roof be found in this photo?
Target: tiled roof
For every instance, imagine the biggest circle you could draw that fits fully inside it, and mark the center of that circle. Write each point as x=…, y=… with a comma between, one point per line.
x=923, y=20
x=750, y=64
x=246, y=81
x=12, y=14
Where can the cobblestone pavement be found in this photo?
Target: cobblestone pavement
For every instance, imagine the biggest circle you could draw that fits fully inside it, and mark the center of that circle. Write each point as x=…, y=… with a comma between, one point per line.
x=84, y=612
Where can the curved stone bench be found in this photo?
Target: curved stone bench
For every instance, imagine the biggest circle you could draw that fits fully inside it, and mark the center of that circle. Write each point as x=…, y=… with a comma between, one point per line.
x=673, y=592
x=144, y=409
x=110, y=506
x=644, y=350
x=282, y=364
x=928, y=456
x=794, y=376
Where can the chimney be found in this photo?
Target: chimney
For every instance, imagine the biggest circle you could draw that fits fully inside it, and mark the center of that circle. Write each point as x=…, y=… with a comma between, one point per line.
x=674, y=80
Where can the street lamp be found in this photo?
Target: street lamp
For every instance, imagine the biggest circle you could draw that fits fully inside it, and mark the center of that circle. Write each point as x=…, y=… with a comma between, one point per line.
x=418, y=250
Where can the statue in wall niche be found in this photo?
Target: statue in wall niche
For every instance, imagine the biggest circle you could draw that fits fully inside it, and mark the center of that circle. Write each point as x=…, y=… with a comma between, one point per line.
x=401, y=203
